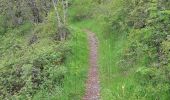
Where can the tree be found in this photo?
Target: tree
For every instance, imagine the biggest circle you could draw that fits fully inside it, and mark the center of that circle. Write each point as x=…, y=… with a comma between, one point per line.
x=35, y=11
x=62, y=30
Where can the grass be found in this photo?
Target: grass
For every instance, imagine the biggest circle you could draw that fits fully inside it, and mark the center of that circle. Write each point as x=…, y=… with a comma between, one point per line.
x=77, y=64
x=115, y=83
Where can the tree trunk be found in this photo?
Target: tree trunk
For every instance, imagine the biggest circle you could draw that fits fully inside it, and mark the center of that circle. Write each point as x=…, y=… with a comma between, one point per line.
x=55, y=3
x=65, y=4
x=35, y=11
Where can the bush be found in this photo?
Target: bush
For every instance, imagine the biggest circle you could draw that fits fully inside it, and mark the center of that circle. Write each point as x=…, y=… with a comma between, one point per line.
x=82, y=10
x=27, y=78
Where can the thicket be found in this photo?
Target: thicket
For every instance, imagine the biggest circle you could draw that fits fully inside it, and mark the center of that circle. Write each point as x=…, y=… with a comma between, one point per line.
x=32, y=53
x=146, y=25
x=149, y=30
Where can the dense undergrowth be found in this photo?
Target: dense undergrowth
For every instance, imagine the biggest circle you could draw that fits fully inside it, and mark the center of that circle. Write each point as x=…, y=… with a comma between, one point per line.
x=35, y=66
x=31, y=60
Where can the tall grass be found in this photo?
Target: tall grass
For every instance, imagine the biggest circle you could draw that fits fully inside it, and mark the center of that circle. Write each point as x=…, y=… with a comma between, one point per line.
x=77, y=64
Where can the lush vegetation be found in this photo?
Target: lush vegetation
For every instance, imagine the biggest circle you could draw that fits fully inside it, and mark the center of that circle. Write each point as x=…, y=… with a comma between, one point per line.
x=44, y=51
x=38, y=58
x=134, y=47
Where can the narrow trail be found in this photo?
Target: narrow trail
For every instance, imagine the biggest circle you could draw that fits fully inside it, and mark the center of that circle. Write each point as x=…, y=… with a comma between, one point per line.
x=92, y=84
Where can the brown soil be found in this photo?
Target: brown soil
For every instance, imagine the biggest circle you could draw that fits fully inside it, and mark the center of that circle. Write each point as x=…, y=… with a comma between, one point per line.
x=92, y=84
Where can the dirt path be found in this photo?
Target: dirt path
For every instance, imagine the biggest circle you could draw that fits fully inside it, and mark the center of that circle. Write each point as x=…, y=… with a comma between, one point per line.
x=92, y=84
